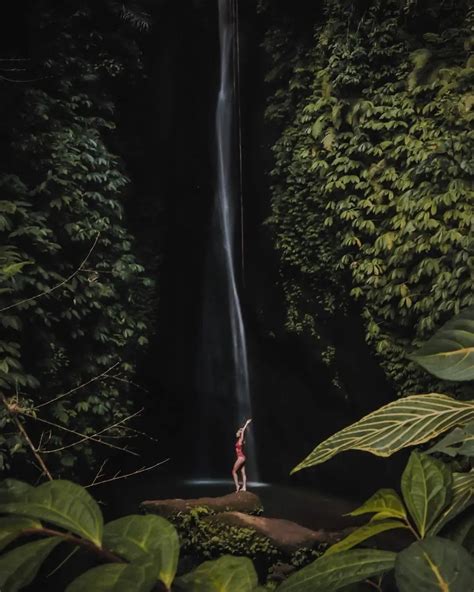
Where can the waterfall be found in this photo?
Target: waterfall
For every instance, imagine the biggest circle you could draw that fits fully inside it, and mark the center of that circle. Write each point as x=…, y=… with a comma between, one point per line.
x=224, y=373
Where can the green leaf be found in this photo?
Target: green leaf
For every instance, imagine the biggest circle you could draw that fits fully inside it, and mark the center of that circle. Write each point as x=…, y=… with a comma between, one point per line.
x=449, y=354
x=462, y=497
x=426, y=487
x=386, y=503
x=19, y=567
x=333, y=572
x=434, y=564
x=462, y=436
x=405, y=422
x=227, y=574
x=62, y=503
x=12, y=527
x=116, y=577
x=139, y=537
x=363, y=533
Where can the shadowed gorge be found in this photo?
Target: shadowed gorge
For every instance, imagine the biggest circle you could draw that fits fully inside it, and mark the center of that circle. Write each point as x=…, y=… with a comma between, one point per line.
x=220, y=211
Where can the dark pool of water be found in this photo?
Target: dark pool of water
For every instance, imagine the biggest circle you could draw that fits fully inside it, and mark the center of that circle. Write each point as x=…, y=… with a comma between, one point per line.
x=307, y=507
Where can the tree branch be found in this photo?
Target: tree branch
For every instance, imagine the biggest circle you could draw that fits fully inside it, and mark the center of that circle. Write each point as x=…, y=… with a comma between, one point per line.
x=24, y=433
x=57, y=286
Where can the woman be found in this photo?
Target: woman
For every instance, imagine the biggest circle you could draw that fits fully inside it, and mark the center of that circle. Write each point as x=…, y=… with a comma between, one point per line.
x=239, y=464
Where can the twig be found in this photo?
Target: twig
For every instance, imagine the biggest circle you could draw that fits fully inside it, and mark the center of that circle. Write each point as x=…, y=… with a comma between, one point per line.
x=58, y=567
x=25, y=435
x=93, y=436
x=99, y=472
x=121, y=379
x=76, y=388
x=55, y=425
x=57, y=286
x=118, y=476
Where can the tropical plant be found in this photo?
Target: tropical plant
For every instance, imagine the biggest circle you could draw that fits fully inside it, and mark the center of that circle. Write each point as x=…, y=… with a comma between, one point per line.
x=416, y=419
x=433, y=494
x=371, y=194
x=75, y=299
x=138, y=553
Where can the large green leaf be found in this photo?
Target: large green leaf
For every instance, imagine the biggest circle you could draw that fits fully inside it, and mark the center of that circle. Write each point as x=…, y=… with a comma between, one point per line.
x=363, y=533
x=386, y=503
x=137, y=537
x=434, y=565
x=449, y=354
x=11, y=527
x=227, y=574
x=462, y=497
x=426, y=487
x=19, y=567
x=64, y=504
x=333, y=572
x=404, y=422
x=116, y=577
x=458, y=442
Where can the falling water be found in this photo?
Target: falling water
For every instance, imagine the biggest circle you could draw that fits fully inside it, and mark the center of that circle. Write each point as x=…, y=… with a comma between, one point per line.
x=227, y=374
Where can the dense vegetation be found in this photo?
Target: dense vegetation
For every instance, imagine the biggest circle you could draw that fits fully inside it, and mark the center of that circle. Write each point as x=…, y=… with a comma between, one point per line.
x=371, y=215
x=372, y=194
x=74, y=294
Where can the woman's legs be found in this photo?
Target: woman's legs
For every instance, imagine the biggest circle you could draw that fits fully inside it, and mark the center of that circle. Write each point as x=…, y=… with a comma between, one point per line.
x=238, y=463
x=244, y=478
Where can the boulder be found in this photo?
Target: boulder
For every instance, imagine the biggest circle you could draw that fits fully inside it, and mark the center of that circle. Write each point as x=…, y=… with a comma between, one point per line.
x=285, y=535
x=243, y=502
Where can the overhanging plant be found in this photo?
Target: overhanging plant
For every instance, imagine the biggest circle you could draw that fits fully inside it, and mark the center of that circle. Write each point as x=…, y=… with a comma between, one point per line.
x=134, y=554
x=432, y=493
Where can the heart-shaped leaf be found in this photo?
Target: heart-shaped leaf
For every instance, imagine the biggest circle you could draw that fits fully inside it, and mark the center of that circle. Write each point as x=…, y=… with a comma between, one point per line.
x=333, y=572
x=426, y=487
x=434, y=565
x=137, y=537
x=19, y=567
x=64, y=504
x=227, y=574
x=449, y=354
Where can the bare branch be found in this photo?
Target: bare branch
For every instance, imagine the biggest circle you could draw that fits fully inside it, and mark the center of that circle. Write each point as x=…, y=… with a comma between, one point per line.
x=77, y=388
x=93, y=436
x=117, y=475
x=57, y=286
x=12, y=411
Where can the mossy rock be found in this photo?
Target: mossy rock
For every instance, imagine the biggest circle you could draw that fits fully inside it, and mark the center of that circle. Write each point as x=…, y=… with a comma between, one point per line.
x=243, y=501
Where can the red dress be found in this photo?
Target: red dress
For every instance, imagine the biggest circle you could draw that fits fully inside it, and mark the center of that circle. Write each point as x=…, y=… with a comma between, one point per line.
x=238, y=449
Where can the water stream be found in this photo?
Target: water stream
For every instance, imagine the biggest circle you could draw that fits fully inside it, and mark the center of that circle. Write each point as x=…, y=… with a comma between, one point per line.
x=225, y=372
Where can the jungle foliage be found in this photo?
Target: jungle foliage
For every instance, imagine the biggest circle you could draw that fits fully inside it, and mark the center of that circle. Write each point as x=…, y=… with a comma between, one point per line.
x=372, y=183
x=75, y=299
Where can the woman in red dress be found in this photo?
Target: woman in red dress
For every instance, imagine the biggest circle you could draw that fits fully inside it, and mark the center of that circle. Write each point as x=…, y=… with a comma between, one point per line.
x=239, y=464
